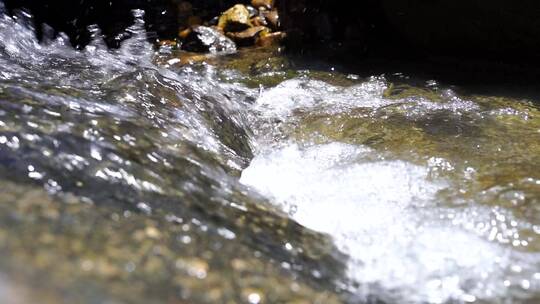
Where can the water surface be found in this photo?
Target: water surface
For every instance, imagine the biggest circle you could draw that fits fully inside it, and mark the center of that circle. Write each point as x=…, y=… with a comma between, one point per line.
x=129, y=177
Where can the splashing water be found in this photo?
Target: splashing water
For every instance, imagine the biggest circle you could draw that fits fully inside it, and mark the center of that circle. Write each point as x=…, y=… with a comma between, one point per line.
x=213, y=183
x=384, y=215
x=406, y=241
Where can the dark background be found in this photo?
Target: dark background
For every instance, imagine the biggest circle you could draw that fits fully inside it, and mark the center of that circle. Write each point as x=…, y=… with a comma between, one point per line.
x=468, y=39
x=112, y=16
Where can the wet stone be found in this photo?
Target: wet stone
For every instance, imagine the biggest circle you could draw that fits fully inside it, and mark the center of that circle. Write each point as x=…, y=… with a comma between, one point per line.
x=273, y=18
x=270, y=39
x=259, y=21
x=207, y=39
x=249, y=36
x=237, y=18
x=268, y=4
x=252, y=11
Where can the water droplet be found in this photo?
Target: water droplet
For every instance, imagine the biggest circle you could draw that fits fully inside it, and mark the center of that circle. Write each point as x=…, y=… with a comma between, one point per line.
x=152, y=232
x=226, y=233
x=130, y=266
x=254, y=298
x=468, y=298
x=144, y=207
x=516, y=268
x=186, y=239
x=87, y=265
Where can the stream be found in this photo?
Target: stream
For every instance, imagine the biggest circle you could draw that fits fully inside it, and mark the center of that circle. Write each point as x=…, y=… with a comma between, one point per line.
x=129, y=177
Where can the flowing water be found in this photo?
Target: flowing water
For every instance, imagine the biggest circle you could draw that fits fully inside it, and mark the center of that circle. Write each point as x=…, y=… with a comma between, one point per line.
x=128, y=177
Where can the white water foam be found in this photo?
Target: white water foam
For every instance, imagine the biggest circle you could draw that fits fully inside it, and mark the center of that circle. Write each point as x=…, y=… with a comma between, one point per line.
x=384, y=214
x=371, y=208
x=308, y=94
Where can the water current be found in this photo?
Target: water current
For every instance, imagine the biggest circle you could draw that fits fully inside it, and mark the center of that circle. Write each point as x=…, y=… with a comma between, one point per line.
x=129, y=176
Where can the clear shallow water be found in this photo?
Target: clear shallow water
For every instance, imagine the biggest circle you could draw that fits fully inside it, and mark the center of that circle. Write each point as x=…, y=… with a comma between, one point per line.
x=243, y=179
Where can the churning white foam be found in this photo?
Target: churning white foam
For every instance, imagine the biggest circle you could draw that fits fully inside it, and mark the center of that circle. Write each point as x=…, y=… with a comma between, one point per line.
x=373, y=210
x=309, y=94
x=385, y=214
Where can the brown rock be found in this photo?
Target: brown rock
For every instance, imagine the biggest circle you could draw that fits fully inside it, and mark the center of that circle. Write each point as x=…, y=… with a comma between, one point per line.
x=259, y=21
x=269, y=4
x=249, y=36
x=184, y=33
x=252, y=11
x=249, y=33
x=273, y=18
x=270, y=39
x=203, y=39
x=167, y=43
x=235, y=19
